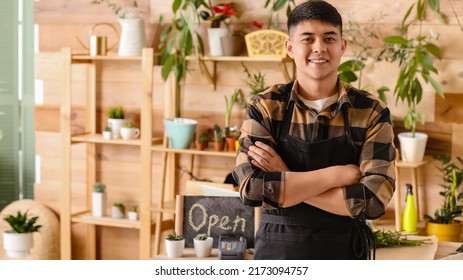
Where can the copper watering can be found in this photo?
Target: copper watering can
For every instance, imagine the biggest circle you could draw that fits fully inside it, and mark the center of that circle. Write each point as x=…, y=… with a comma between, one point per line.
x=98, y=44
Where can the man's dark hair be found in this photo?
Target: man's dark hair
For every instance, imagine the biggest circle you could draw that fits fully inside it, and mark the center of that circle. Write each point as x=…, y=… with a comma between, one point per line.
x=315, y=10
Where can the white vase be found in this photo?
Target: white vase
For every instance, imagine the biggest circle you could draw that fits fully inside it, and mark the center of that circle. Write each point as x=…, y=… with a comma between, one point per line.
x=412, y=148
x=174, y=248
x=132, y=38
x=203, y=248
x=117, y=212
x=116, y=125
x=98, y=204
x=214, y=35
x=17, y=245
x=133, y=216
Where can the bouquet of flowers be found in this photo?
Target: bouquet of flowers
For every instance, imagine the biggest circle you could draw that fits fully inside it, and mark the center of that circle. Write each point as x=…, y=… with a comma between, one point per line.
x=220, y=13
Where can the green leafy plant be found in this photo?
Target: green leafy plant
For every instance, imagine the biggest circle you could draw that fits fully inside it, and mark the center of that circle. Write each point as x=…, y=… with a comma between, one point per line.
x=229, y=103
x=129, y=124
x=108, y=128
x=174, y=236
x=99, y=187
x=201, y=236
x=178, y=41
x=452, y=205
x=276, y=6
x=255, y=81
x=23, y=224
x=134, y=208
x=416, y=57
x=118, y=204
x=116, y=112
x=204, y=137
x=387, y=238
x=218, y=133
x=127, y=12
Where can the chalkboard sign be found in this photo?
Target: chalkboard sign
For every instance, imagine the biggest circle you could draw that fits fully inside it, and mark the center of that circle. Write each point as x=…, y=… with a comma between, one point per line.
x=213, y=215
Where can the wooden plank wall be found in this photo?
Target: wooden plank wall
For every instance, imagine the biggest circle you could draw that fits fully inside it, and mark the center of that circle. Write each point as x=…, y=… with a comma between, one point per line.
x=60, y=22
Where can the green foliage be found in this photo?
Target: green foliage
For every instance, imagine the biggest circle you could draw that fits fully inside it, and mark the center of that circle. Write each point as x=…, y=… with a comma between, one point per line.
x=108, y=128
x=204, y=137
x=118, y=204
x=255, y=82
x=218, y=133
x=275, y=6
x=201, y=236
x=389, y=238
x=99, y=187
x=229, y=105
x=22, y=224
x=134, y=208
x=416, y=58
x=129, y=124
x=452, y=205
x=174, y=236
x=116, y=112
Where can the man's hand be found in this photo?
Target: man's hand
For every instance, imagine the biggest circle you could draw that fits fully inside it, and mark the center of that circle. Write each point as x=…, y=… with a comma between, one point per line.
x=265, y=158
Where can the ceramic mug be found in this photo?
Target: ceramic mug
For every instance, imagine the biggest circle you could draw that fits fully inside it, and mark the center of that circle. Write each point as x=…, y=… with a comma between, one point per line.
x=129, y=133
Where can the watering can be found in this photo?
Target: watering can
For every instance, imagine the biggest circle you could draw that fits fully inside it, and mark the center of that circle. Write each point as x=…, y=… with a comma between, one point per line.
x=99, y=44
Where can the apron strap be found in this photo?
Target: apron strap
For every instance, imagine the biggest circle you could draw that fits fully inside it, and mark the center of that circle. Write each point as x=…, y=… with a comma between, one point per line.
x=363, y=242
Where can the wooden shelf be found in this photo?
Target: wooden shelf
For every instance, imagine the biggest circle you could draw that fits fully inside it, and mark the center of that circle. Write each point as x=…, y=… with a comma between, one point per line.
x=98, y=138
x=211, y=75
x=87, y=218
x=110, y=56
x=207, y=152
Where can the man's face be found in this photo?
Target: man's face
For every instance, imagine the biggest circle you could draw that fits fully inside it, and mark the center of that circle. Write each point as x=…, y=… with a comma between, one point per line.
x=316, y=48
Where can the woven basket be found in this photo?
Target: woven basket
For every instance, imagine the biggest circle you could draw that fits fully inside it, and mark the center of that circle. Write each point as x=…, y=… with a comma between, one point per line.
x=266, y=43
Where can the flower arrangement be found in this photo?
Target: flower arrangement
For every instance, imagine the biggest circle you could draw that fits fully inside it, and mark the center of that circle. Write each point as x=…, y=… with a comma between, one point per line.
x=125, y=13
x=220, y=13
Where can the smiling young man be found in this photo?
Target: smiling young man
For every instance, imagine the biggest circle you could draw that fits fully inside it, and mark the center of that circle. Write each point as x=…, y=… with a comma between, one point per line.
x=316, y=154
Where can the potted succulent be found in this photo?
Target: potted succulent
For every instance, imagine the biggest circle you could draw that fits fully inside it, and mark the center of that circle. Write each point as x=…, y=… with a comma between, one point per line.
x=416, y=57
x=129, y=131
x=175, y=243
x=118, y=210
x=219, y=143
x=99, y=200
x=116, y=120
x=107, y=133
x=132, y=214
x=443, y=224
x=202, y=141
x=18, y=241
x=203, y=245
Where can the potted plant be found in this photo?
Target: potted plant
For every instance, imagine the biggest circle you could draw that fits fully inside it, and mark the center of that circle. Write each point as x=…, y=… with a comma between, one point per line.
x=118, y=210
x=175, y=243
x=202, y=141
x=116, y=120
x=132, y=38
x=129, y=131
x=416, y=57
x=18, y=241
x=203, y=245
x=218, y=138
x=99, y=200
x=107, y=133
x=132, y=214
x=443, y=224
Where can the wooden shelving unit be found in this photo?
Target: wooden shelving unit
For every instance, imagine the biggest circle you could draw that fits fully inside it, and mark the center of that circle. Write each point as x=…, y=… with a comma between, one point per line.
x=92, y=138
x=147, y=145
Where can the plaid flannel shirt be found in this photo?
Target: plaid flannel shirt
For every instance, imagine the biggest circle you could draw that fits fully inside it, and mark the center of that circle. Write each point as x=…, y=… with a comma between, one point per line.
x=371, y=129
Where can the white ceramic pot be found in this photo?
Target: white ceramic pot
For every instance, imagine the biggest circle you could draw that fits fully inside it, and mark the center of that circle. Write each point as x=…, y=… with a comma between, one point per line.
x=17, y=245
x=116, y=125
x=174, y=248
x=412, y=148
x=215, y=44
x=203, y=248
x=130, y=133
x=107, y=135
x=133, y=216
x=117, y=212
x=98, y=204
x=132, y=38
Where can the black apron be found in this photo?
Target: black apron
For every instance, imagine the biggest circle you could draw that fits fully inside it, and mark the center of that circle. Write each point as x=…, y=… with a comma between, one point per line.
x=303, y=231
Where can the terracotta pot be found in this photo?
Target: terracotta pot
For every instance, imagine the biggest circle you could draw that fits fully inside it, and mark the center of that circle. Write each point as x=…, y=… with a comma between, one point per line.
x=230, y=144
x=201, y=146
x=232, y=45
x=219, y=146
